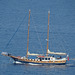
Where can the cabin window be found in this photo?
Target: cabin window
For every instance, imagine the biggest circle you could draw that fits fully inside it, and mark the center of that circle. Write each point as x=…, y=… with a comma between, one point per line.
x=45, y=58
x=42, y=58
x=48, y=58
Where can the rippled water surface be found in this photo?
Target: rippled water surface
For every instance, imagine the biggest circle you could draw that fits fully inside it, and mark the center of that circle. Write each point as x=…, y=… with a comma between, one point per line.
x=13, y=34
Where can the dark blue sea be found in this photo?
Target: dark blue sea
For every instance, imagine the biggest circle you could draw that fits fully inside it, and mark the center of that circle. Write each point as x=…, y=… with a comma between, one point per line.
x=13, y=34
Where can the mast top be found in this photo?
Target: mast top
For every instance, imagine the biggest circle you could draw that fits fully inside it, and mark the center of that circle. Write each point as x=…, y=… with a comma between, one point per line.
x=29, y=10
x=49, y=12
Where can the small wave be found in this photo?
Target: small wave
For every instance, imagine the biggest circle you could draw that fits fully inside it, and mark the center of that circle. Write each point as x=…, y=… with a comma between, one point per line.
x=70, y=65
x=34, y=64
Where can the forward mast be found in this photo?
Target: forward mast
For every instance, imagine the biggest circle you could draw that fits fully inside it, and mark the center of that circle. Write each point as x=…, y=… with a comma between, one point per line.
x=28, y=35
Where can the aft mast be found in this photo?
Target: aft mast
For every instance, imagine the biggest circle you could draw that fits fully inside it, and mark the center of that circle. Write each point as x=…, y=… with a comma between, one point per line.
x=48, y=33
x=28, y=34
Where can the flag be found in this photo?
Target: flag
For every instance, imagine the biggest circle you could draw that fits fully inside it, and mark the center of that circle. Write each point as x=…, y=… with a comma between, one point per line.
x=68, y=57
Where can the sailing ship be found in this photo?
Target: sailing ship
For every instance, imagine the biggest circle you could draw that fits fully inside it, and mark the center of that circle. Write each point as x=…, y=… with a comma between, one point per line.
x=40, y=58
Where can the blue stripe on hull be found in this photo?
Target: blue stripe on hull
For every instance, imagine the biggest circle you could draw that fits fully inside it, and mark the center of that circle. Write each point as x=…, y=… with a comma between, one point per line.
x=23, y=62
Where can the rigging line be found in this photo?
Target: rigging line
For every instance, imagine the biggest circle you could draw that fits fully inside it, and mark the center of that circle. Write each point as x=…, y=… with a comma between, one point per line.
x=61, y=43
x=37, y=34
x=63, y=40
x=60, y=40
x=66, y=44
x=15, y=31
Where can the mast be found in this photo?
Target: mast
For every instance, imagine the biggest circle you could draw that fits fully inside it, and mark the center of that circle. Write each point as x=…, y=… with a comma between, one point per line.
x=28, y=34
x=48, y=33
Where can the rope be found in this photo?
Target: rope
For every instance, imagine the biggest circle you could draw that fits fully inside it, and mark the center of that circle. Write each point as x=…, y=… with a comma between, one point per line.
x=37, y=34
x=63, y=41
x=15, y=32
x=65, y=44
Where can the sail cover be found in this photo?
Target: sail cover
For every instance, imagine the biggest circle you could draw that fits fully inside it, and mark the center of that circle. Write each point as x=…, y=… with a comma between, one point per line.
x=33, y=54
x=57, y=53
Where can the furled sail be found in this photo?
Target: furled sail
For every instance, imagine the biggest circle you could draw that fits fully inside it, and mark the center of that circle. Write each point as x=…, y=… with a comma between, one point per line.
x=33, y=54
x=57, y=53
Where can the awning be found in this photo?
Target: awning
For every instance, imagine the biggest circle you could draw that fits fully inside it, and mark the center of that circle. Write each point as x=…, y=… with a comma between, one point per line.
x=33, y=54
x=57, y=53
